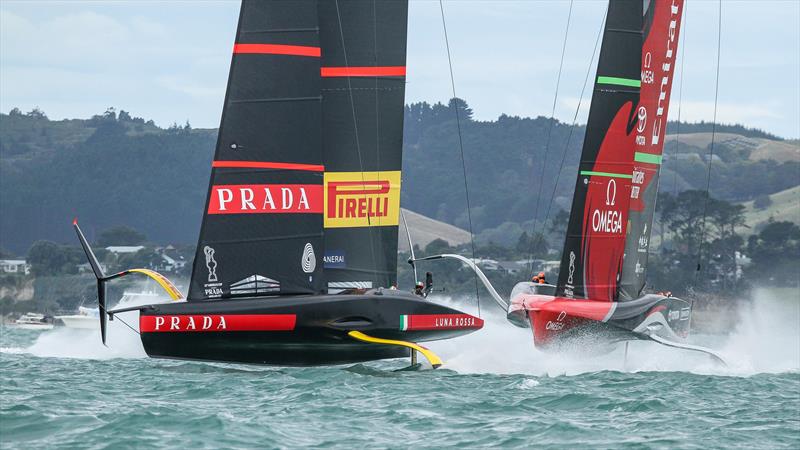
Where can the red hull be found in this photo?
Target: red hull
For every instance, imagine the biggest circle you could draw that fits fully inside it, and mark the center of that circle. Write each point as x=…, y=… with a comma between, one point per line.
x=552, y=317
x=558, y=320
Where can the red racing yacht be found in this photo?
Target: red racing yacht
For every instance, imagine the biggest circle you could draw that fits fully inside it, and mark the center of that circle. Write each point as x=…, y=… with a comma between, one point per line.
x=600, y=294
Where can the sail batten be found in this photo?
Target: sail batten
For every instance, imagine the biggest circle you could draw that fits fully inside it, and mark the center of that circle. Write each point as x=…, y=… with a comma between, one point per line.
x=276, y=49
x=268, y=165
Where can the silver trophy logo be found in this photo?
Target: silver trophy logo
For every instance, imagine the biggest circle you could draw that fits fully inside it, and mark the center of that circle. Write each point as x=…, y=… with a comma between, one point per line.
x=211, y=264
x=571, y=267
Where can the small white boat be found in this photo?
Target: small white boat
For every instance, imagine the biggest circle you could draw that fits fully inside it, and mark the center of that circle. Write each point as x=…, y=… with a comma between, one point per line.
x=86, y=319
x=89, y=318
x=33, y=321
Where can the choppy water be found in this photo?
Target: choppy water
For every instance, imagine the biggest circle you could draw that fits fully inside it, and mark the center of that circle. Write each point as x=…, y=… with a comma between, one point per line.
x=61, y=388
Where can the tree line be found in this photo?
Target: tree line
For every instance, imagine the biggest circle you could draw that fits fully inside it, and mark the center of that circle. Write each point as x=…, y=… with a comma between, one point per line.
x=115, y=168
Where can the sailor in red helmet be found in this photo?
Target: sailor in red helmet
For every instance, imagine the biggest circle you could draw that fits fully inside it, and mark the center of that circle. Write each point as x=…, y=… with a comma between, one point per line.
x=419, y=289
x=541, y=278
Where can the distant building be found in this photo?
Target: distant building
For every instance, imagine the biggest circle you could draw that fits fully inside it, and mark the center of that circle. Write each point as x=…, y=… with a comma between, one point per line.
x=171, y=264
x=86, y=268
x=15, y=266
x=531, y=265
x=124, y=249
x=550, y=266
x=742, y=261
x=487, y=264
x=512, y=267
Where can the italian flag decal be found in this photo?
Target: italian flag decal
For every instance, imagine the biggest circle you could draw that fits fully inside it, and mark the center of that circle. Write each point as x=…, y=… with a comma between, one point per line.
x=412, y=322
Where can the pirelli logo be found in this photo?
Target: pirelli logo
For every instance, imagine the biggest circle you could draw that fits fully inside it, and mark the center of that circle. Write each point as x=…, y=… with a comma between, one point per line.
x=361, y=199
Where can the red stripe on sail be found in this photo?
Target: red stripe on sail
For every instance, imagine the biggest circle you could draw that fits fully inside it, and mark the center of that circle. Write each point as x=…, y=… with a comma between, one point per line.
x=386, y=71
x=182, y=323
x=276, y=49
x=267, y=165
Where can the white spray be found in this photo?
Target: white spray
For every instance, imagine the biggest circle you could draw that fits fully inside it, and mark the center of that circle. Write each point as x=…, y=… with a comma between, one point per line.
x=123, y=340
x=765, y=339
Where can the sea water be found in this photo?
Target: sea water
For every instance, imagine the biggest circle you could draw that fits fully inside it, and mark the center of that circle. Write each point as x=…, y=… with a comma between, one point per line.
x=62, y=388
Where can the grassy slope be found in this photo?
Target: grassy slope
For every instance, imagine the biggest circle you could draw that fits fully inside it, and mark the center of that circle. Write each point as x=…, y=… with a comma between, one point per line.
x=761, y=148
x=785, y=206
x=424, y=230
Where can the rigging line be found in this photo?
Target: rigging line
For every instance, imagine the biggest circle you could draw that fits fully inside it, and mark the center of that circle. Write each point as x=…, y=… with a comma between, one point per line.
x=375, y=60
x=680, y=101
x=461, y=149
x=710, y=148
x=572, y=127
x=677, y=152
x=126, y=324
x=355, y=129
x=377, y=107
x=549, y=133
x=116, y=316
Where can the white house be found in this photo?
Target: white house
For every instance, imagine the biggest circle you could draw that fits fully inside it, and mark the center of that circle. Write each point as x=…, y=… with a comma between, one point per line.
x=171, y=264
x=14, y=266
x=124, y=249
x=86, y=268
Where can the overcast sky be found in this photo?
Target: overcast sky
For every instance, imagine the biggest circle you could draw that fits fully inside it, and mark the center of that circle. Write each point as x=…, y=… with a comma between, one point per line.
x=169, y=60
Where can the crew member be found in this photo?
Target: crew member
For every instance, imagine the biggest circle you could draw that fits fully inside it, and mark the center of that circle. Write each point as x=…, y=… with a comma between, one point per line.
x=541, y=278
x=535, y=279
x=419, y=289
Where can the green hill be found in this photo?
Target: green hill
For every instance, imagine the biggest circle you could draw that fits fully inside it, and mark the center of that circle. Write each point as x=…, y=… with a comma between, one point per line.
x=116, y=169
x=785, y=206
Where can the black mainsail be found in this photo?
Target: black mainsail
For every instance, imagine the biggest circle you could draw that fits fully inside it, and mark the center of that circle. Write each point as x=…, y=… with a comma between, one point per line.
x=262, y=226
x=305, y=185
x=363, y=87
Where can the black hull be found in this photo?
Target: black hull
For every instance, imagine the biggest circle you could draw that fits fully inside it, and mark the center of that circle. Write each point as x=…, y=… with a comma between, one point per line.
x=318, y=335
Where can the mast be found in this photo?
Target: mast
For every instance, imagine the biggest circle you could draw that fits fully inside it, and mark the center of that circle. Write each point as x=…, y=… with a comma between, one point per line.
x=262, y=225
x=363, y=88
x=605, y=252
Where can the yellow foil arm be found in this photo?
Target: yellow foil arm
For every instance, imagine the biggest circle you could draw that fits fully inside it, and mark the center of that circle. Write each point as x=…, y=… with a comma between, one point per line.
x=432, y=358
x=162, y=281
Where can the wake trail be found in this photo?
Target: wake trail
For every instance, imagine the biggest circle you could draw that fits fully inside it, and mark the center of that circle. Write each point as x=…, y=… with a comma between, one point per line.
x=765, y=339
x=122, y=342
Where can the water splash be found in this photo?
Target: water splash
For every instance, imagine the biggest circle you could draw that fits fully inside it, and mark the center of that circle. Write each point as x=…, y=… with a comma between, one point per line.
x=767, y=336
x=123, y=342
x=764, y=339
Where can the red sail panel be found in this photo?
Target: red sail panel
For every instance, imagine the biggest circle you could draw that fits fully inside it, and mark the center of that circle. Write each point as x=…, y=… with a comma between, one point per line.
x=659, y=52
x=595, y=245
x=606, y=208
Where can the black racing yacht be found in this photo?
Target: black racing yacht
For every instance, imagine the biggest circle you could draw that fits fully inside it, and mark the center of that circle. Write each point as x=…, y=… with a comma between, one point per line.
x=297, y=256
